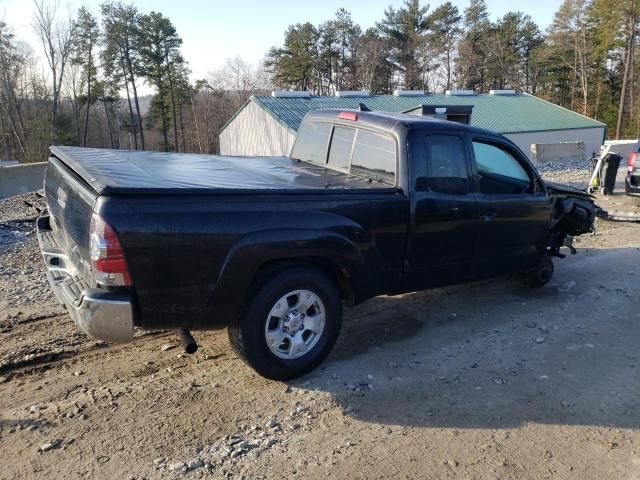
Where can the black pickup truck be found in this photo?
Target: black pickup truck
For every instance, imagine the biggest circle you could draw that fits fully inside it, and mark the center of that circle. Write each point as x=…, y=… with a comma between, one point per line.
x=367, y=204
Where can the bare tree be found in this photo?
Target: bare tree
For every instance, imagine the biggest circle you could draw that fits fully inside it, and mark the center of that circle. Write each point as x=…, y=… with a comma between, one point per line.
x=626, y=96
x=11, y=70
x=573, y=46
x=240, y=78
x=72, y=89
x=372, y=68
x=55, y=37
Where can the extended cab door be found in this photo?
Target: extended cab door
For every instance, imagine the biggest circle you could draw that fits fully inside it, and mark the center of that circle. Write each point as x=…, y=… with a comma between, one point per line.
x=513, y=208
x=443, y=210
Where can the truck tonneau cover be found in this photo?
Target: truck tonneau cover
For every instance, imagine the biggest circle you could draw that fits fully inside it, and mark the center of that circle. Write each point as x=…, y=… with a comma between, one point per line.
x=126, y=172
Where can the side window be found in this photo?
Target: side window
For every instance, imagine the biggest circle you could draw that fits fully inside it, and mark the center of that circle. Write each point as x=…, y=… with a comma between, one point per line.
x=340, y=150
x=311, y=142
x=500, y=172
x=374, y=156
x=446, y=164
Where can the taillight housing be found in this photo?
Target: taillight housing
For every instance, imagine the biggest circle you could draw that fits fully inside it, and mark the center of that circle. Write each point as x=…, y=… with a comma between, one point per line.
x=633, y=157
x=107, y=259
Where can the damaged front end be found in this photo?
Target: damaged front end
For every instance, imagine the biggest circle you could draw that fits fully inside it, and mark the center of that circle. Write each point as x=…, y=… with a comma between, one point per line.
x=573, y=214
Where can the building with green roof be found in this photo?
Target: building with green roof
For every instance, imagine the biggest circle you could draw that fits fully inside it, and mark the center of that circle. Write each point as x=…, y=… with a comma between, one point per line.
x=267, y=125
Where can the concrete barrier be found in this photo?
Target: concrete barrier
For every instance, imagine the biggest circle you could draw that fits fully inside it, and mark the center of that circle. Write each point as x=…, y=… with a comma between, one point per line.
x=558, y=152
x=21, y=178
x=622, y=147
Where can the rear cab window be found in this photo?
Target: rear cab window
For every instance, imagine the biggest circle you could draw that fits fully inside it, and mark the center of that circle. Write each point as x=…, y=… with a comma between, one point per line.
x=374, y=156
x=311, y=142
x=353, y=150
x=341, y=147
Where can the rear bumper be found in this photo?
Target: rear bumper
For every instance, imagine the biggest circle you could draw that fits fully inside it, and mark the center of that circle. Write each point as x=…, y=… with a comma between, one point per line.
x=632, y=185
x=102, y=314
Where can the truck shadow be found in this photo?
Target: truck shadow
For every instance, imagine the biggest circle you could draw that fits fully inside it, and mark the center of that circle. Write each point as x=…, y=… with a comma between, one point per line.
x=497, y=354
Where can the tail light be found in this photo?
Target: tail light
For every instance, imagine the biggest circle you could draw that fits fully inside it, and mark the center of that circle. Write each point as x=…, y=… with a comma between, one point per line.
x=108, y=262
x=632, y=161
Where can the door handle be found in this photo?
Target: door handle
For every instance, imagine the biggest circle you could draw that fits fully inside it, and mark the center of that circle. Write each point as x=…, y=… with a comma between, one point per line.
x=489, y=217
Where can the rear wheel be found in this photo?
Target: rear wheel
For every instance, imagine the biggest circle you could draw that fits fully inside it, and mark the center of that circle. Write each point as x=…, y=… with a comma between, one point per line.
x=542, y=273
x=290, y=324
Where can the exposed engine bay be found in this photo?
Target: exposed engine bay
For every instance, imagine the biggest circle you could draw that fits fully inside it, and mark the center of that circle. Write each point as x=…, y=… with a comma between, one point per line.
x=574, y=213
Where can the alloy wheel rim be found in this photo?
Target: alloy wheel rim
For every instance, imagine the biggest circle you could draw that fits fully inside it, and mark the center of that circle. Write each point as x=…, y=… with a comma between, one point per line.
x=295, y=324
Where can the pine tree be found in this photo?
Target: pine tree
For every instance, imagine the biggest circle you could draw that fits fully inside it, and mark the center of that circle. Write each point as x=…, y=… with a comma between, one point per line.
x=571, y=44
x=338, y=38
x=159, y=52
x=295, y=65
x=120, y=56
x=405, y=29
x=444, y=29
x=472, y=48
x=510, y=44
x=85, y=43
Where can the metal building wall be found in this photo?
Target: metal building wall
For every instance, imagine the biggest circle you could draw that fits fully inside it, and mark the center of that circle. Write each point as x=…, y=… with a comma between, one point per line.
x=254, y=132
x=592, y=138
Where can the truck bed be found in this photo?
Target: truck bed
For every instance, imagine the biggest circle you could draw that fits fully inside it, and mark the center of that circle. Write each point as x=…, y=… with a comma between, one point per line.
x=126, y=172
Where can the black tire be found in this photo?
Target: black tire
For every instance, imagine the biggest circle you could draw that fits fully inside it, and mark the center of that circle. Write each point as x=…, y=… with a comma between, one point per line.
x=543, y=273
x=247, y=335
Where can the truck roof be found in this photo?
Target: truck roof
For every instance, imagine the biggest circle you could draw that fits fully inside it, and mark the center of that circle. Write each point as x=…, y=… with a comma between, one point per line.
x=126, y=172
x=392, y=121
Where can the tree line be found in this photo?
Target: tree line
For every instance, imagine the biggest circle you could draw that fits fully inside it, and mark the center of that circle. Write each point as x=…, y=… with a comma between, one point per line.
x=88, y=92
x=586, y=60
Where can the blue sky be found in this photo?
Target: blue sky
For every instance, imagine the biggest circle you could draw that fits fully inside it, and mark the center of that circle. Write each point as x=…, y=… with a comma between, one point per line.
x=216, y=29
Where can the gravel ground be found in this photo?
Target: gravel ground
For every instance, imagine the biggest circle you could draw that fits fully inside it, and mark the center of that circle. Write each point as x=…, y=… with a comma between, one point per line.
x=488, y=380
x=20, y=254
x=574, y=172
x=25, y=206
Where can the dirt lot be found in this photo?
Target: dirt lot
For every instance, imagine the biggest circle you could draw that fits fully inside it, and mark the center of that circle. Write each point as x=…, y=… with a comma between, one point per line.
x=489, y=380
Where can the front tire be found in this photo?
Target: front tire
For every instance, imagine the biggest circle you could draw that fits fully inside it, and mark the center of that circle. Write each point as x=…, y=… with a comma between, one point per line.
x=543, y=273
x=290, y=324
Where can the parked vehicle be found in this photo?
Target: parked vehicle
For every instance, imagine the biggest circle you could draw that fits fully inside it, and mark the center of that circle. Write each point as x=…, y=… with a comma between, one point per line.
x=632, y=180
x=367, y=204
